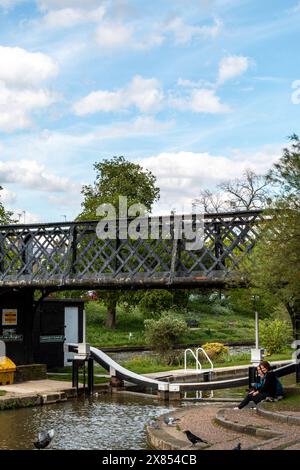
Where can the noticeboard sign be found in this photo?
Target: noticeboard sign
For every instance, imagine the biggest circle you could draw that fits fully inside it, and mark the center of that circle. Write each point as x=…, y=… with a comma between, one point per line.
x=52, y=339
x=9, y=316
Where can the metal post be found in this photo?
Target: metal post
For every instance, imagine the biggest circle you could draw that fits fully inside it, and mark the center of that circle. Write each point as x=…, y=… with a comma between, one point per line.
x=84, y=377
x=75, y=374
x=90, y=375
x=256, y=331
x=252, y=376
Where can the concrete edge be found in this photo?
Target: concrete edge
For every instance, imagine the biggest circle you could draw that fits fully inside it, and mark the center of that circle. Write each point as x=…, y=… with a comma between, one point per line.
x=279, y=417
x=43, y=398
x=160, y=439
x=245, y=429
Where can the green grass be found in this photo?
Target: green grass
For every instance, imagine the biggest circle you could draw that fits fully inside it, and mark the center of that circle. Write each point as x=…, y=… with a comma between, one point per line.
x=223, y=326
x=290, y=403
x=2, y=393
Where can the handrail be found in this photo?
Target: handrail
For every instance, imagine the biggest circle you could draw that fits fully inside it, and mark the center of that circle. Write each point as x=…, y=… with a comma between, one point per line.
x=206, y=355
x=198, y=363
x=196, y=357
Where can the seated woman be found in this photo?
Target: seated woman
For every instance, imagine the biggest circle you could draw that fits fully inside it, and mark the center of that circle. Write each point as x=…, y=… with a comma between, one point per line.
x=266, y=388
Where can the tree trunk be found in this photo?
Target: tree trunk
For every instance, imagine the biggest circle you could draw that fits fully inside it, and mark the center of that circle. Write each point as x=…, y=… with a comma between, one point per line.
x=294, y=311
x=111, y=314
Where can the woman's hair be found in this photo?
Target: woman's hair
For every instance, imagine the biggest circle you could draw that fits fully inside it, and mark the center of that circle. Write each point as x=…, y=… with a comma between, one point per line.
x=266, y=365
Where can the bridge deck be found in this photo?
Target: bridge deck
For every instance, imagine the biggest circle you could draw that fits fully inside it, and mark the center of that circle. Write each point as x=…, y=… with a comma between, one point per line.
x=70, y=255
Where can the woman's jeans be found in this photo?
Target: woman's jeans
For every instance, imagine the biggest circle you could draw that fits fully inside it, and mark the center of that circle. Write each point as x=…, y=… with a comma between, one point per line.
x=256, y=398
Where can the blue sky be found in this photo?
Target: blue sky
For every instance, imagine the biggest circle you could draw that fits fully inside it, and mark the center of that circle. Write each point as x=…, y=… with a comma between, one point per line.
x=195, y=90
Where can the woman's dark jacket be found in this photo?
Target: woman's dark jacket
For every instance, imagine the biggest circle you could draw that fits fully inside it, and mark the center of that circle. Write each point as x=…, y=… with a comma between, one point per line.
x=269, y=385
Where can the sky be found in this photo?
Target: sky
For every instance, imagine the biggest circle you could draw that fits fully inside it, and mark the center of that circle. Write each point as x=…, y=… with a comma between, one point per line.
x=194, y=90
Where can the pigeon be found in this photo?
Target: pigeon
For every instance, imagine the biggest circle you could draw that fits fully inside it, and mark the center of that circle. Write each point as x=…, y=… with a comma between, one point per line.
x=44, y=439
x=170, y=421
x=153, y=424
x=238, y=447
x=194, y=439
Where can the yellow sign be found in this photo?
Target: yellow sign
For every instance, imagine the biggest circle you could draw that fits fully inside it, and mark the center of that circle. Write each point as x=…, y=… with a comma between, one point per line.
x=9, y=316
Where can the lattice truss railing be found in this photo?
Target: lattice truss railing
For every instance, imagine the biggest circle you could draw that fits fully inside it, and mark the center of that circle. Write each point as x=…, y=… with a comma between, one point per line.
x=49, y=252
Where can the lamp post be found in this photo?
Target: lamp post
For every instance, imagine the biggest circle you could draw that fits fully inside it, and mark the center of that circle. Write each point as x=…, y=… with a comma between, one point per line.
x=257, y=353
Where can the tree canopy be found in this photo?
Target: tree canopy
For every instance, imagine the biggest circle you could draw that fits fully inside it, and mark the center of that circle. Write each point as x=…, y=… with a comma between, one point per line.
x=275, y=263
x=118, y=177
x=6, y=216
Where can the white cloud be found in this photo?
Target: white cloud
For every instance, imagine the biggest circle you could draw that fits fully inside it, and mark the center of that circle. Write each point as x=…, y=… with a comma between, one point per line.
x=181, y=175
x=200, y=100
x=56, y=4
x=7, y=196
x=19, y=80
x=33, y=175
x=6, y=4
x=144, y=94
x=184, y=33
x=231, y=67
x=23, y=68
x=26, y=216
x=141, y=126
x=16, y=106
x=112, y=35
x=69, y=17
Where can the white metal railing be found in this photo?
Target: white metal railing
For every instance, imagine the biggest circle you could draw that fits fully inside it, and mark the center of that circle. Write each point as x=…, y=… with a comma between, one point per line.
x=198, y=363
x=196, y=357
x=206, y=355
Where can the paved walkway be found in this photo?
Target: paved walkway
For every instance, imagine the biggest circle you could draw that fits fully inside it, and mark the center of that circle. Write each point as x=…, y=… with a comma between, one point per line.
x=201, y=420
x=35, y=387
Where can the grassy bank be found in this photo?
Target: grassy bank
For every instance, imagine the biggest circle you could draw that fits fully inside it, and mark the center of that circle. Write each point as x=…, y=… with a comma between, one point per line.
x=290, y=403
x=218, y=326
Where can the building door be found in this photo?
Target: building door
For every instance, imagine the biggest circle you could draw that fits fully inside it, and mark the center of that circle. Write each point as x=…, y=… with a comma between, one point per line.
x=71, y=330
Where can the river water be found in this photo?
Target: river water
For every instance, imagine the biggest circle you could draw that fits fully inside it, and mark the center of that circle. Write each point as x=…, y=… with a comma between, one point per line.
x=106, y=422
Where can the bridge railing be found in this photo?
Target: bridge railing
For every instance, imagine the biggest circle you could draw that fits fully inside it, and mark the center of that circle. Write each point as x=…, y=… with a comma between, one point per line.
x=71, y=254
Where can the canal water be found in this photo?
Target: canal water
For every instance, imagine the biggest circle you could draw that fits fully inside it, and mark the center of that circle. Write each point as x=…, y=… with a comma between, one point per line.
x=105, y=422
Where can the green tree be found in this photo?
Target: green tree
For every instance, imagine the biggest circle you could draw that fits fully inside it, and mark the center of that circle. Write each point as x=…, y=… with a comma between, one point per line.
x=117, y=177
x=6, y=216
x=162, y=334
x=275, y=263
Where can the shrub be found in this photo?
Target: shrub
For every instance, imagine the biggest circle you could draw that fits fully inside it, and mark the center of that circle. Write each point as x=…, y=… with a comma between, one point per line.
x=154, y=302
x=164, y=333
x=215, y=350
x=275, y=335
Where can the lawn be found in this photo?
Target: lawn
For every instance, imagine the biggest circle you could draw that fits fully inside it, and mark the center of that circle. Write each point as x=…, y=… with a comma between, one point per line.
x=222, y=327
x=290, y=403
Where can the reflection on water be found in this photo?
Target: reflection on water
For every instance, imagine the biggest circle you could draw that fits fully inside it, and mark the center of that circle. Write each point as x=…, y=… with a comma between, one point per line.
x=103, y=423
